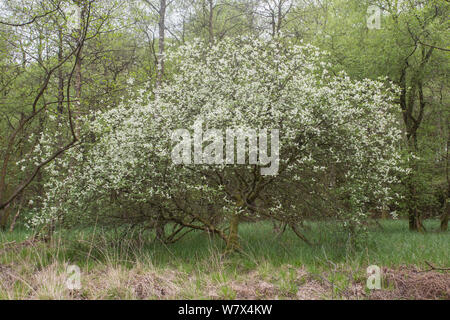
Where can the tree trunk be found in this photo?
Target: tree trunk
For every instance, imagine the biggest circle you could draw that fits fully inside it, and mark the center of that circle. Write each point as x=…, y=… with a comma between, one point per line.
x=233, y=239
x=16, y=216
x=60, y=75
x=446, y=210
x=415, y=219
x=161, y=41
x=444, y=217
x=78, y=86
x=78, y=68
x=409, y=93
x=4, y=215
x=210, y=22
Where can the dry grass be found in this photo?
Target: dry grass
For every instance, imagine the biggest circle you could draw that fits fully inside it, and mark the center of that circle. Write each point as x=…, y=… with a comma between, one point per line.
x=412, y=283
x=146, y=282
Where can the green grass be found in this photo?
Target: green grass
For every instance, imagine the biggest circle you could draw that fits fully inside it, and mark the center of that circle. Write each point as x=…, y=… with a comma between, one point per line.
x=392, y=245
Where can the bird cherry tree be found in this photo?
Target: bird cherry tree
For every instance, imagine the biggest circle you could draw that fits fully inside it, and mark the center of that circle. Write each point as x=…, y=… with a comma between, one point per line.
x=338, y=142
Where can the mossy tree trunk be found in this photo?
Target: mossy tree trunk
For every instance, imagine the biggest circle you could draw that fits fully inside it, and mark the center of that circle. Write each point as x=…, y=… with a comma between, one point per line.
x=233, y=237
x=233, y=233
x=444, y=217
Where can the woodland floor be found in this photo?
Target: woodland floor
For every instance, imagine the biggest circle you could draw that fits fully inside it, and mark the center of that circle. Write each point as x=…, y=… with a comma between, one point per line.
x=130, y=265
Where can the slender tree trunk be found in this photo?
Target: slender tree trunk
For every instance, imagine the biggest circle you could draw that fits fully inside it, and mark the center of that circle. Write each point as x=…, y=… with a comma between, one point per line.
x=161, y=41
x=413, y=120
x=78, y=87
x=233, y=238
x=78, y=69
x=445, y=215
x=210, y=22
x=279, y=17
x=60, y=74
x=446, y=209
x=16, y=216
x=407, y=101
x=415, y=219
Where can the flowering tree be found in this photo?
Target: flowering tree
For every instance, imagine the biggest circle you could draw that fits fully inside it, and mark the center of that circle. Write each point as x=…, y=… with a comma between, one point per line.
x=337, y=146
